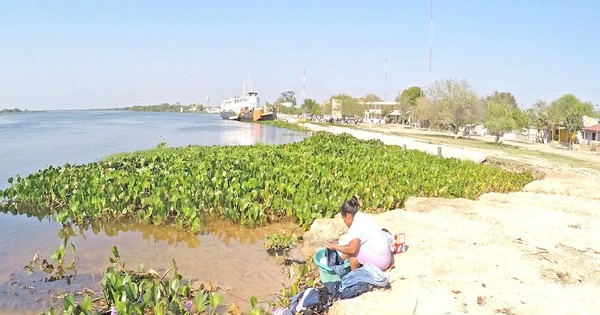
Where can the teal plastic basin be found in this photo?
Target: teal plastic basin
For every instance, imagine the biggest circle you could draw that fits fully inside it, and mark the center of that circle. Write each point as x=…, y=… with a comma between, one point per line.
x=327, y=274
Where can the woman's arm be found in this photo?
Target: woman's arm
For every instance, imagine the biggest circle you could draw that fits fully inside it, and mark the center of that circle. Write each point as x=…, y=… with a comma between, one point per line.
x=351, y=249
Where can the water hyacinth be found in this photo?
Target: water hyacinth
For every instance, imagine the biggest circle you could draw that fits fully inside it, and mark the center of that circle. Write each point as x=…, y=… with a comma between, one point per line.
x=252, y=185
x=163, y=295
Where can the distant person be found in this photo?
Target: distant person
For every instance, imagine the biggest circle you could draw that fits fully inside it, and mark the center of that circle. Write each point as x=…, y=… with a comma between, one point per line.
x=367, y=243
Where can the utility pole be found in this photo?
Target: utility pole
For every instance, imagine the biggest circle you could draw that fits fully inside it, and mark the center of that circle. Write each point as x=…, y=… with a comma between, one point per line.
x=430, y=38
x=385, y=88
x=303, y=87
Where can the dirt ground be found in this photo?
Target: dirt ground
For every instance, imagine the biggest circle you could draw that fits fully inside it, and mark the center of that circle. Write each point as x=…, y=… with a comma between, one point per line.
x=531, y=252
x=499, y=154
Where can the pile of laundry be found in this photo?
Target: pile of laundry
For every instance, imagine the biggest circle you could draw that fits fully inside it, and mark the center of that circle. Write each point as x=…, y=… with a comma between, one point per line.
x=313, y=301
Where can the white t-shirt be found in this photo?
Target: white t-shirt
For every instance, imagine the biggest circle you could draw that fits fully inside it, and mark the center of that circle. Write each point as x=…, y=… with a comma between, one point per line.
x=369, y=232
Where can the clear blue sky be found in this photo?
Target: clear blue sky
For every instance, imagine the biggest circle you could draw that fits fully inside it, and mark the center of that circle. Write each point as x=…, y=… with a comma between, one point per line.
x=100, y=54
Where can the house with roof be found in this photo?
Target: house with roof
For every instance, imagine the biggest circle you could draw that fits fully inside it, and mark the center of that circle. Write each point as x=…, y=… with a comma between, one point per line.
x=591, y=134
x=591, y=130
x=560, y=133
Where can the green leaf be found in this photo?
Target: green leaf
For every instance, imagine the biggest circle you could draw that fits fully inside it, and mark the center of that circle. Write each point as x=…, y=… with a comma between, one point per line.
x=86, y=304
x=159, y=309
x=215, y=300
x=253, y=301
x=69, y=301
x=121, y=307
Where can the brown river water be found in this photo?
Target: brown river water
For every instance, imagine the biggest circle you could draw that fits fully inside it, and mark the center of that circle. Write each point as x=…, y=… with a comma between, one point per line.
x=229, y=256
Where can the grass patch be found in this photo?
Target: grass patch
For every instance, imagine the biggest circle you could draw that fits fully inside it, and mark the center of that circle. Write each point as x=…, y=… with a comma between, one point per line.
x=518, y=151
x=283, y=124
x=555, y=158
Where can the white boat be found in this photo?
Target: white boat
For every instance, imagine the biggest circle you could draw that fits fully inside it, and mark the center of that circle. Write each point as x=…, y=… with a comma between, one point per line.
x=244, y=107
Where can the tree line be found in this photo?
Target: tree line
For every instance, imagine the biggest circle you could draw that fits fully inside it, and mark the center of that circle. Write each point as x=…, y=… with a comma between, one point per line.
x=9, y=110
x=166, y=107
x=451, y=104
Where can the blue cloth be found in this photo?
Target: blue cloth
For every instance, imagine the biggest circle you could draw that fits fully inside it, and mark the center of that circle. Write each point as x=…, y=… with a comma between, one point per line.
x=333, y=288
x=303, y=300
x=294, y=302
x=311, y=297
x=335, y=262
x=365, y=274
x=356, y=290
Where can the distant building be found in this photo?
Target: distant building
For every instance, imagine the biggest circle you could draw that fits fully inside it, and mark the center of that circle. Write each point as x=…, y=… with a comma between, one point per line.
x=591, y=134
x=591, y=130
x=336, y=108
x=561, y=134
x=374, y=110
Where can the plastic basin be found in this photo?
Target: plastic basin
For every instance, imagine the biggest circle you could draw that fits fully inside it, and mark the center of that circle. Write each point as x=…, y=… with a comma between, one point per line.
x=327, y=274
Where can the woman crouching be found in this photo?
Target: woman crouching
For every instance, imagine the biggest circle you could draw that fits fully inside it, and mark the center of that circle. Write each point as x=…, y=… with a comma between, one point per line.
x=367, y=243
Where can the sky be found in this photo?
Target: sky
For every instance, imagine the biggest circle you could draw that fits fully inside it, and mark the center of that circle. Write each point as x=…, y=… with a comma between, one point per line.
x=106, y=54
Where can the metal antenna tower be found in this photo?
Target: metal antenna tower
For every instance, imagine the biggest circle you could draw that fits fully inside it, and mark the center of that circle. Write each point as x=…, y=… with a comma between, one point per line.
x=385, y=78
x=304, y=86
x=430, y=38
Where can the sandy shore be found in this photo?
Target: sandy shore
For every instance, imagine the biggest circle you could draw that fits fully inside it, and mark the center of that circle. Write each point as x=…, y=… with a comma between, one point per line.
x=531, y=252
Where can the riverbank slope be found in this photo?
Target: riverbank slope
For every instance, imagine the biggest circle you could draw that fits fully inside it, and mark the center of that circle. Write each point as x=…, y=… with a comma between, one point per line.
x=529, y=252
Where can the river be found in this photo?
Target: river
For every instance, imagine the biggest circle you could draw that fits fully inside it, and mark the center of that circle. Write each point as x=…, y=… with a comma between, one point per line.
x=223, y=254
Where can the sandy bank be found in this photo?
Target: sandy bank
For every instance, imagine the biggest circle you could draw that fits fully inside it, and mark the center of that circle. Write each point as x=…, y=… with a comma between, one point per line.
x=531, y=252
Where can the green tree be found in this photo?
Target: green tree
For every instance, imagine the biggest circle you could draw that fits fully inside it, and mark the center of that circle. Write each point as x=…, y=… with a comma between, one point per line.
x=505, y=98
x=521, y=119
x=287, y=97
x=456, y=104
x=269, y=107
x=289, y=110
x=499, y=120
x=426, y=113
x=310, y=106
x=350, y=106
x=573, y=123
x=503, y=115
x=539, y=117
x=406, y=102
x=371, y=98
x=565, y=105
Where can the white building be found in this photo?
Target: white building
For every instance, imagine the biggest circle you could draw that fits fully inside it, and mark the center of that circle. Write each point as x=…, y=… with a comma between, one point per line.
x=374, y=110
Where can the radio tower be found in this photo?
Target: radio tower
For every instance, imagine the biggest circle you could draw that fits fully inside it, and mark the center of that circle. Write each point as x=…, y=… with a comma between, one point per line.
x=430, y=38
x=385, y=87
x=303, y=86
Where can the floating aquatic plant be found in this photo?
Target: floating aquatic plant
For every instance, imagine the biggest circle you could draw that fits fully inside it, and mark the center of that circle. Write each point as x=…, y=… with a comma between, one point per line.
x=251, y=185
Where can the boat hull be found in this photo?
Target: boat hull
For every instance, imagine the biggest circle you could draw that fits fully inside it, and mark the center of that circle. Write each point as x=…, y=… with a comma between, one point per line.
x=229, y=115
x=268, y=116
x=254, y=115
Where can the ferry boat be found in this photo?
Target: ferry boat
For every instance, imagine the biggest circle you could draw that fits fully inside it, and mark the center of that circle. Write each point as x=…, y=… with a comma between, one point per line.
x=245, y=107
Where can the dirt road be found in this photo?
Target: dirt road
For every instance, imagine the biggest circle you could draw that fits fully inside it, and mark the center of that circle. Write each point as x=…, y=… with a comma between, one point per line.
x=590, y=157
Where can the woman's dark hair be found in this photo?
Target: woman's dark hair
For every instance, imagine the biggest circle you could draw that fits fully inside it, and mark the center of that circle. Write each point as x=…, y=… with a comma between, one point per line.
x=350, y=206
